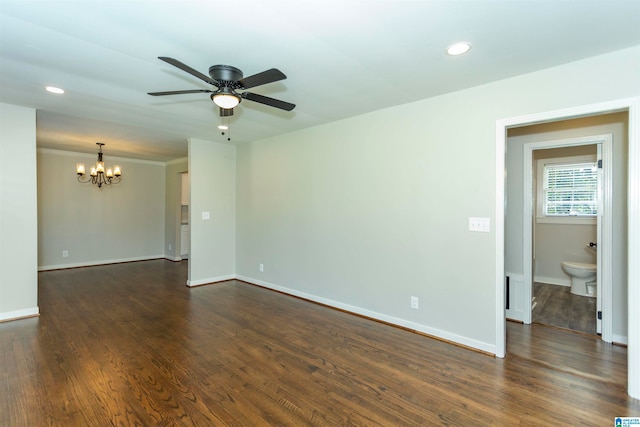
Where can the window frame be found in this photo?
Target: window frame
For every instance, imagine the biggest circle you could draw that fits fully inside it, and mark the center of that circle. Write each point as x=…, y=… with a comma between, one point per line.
x=541, y=217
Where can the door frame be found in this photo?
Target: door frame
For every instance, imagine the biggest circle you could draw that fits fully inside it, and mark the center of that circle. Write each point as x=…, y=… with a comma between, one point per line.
x=632, y=106
x=605, y=225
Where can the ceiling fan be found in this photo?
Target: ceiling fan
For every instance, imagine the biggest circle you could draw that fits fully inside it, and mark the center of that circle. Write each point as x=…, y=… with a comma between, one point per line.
x=228, y=80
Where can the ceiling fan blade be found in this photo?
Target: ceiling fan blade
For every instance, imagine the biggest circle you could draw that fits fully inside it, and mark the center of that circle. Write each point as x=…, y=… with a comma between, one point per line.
x=269, y=76
x=179, y=92
x=189, y=70
x=287, y=106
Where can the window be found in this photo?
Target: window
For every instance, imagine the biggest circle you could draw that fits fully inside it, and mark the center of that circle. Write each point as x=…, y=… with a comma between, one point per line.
x=571, y=190
x=567, y=188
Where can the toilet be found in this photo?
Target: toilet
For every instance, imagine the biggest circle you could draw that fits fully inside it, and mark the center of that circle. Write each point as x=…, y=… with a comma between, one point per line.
x=583, y=277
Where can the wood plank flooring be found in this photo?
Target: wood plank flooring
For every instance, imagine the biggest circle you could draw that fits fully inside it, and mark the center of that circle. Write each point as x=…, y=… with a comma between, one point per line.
x=131, y=345
x=557, y=306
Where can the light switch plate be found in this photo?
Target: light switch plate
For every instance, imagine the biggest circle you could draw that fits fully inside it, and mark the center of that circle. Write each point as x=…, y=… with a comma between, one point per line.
x=206, y=215
x=482, y=225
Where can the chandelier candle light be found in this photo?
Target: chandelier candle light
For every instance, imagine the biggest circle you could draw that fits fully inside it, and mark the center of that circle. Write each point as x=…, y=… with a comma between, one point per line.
x=98, y=175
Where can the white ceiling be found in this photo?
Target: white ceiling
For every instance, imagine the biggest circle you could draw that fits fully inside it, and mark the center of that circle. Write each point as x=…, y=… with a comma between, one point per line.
x=342, y=58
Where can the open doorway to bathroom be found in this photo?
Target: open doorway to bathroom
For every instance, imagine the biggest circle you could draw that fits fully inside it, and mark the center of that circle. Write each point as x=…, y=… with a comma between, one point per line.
x=626, y=329
x=567, y=204
x=549, y=244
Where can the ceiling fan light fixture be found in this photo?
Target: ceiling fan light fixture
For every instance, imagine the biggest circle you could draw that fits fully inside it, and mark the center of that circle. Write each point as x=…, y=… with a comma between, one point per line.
x=223, y=127
x=458, y=48
x=226, y=79
x=225, y=100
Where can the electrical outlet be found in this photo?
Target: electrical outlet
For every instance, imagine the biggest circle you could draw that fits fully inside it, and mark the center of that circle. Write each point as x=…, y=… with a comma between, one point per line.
x=261, y=268
x=65, y=254
x=415, y=303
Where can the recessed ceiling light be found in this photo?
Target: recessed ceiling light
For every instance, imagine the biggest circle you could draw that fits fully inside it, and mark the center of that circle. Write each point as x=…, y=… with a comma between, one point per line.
x=54, y=89
x=458, y=48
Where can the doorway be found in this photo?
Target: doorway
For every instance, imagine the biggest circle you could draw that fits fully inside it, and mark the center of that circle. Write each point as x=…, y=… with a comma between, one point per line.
x=572, y=223
x=630, y=106
x=570, y=136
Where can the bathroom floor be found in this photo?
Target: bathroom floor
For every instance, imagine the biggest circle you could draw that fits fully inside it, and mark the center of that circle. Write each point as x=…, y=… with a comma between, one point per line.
x=556, y=306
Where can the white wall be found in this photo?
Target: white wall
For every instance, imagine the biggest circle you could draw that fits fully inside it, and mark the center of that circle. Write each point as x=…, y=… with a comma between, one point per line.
x=616, y=124
x=364, y=213
x=18, y=218
x=122, y=222
x=212, y=184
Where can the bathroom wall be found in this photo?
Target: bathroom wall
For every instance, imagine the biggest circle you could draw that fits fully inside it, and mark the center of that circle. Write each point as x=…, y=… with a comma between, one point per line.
x=616, y=124
x=554, y=243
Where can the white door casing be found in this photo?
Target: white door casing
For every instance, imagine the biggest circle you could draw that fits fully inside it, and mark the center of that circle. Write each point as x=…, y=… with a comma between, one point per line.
x=604, y=233
x=632, y=106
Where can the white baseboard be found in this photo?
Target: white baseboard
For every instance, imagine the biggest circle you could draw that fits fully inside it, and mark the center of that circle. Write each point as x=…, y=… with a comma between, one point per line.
x=177, y=258
x=552, y=281
x=100, y=262
x=19, y=314
x=210, y=280
x=454, y=338
x=620, y=339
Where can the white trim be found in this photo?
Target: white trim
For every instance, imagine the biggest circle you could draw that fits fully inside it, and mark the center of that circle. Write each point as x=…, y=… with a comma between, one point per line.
x=633, y=251
x=210, y=280
x=527, y=230
x=552, y=281
x=500, y=212
x=541, y=166
x=19, y=314
x=479, y=345
x=177, y=258
x=605, y=248
x=437, y=333
x=109, y=158
x=98, y=262
x=620, y=339
x=632, y=105
x=573, y=220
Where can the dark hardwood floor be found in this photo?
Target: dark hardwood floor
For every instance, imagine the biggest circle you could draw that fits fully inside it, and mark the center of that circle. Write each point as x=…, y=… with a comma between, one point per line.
x=131, y=345
x=557, y=306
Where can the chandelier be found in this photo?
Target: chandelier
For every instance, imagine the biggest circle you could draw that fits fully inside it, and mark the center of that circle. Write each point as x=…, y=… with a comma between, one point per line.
x=98, y=175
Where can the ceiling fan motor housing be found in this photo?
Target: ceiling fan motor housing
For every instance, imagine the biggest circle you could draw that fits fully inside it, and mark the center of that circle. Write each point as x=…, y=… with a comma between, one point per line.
x=225, y=74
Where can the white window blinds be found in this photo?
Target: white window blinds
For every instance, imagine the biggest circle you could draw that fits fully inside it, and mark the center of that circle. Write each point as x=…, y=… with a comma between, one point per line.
x=571, y=189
